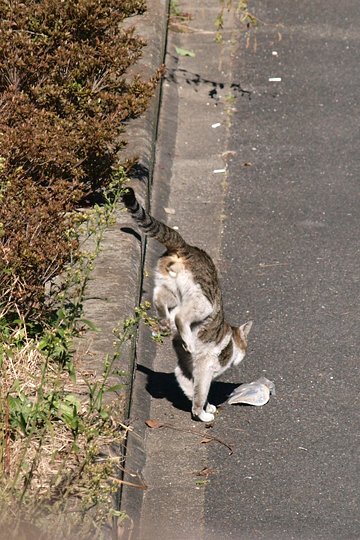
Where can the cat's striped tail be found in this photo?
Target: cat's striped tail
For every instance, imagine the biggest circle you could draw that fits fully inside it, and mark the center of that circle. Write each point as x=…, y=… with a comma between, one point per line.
x=171, y=239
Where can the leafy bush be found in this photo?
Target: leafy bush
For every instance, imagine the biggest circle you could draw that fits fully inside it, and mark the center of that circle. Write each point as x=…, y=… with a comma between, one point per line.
x=64, y=98
x=34, y=242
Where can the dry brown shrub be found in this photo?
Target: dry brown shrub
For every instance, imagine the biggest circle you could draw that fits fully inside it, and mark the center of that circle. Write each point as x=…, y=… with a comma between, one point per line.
x=34, y=243
x=64, y=99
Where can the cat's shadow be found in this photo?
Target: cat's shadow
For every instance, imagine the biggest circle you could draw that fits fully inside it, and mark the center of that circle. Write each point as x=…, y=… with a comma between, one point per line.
x=162, y=385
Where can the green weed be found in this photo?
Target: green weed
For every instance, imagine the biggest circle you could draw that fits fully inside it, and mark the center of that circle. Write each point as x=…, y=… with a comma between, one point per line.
x=56, y=419
x=178, y=19
x=241, y=10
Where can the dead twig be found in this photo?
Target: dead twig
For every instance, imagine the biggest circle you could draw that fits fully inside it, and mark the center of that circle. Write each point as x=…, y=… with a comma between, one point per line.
x=206, y=437
x=126, y=483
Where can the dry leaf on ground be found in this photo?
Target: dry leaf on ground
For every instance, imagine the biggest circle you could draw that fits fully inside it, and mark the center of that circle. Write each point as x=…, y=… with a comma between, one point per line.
x=153, y=424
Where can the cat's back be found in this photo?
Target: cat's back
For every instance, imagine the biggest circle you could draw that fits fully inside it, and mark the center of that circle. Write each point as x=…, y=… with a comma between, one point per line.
x=203, y=270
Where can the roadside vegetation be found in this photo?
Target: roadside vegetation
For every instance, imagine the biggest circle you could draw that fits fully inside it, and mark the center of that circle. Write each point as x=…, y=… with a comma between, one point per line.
x=65, y=96
x=241, y=10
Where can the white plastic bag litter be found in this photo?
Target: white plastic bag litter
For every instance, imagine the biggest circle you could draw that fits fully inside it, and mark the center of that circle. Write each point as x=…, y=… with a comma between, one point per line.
x=255, y=393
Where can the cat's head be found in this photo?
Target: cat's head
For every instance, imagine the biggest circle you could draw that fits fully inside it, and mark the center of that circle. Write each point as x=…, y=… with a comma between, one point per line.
x=240, y=334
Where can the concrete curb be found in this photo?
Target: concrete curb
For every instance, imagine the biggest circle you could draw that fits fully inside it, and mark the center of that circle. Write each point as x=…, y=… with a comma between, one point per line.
x=130, y=498
x=143, y=134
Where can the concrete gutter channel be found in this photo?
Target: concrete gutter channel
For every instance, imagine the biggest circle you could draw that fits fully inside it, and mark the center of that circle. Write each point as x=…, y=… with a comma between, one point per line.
x=194, y=117
x=190, y=177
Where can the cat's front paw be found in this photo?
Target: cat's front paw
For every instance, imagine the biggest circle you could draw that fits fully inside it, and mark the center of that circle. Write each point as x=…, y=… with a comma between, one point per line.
x=210, y=408
x=205, y=416
x=164, y=326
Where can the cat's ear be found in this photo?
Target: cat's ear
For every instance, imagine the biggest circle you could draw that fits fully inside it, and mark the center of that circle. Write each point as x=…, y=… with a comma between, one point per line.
x=245, y=328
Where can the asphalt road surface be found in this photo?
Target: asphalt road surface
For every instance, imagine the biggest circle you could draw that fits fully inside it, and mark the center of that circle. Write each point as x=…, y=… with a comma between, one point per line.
x=291, y=248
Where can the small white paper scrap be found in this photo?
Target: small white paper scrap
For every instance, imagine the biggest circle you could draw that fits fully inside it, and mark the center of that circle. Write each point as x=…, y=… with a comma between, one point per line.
x=274, y=79
x=216, y=125
x=217, y=171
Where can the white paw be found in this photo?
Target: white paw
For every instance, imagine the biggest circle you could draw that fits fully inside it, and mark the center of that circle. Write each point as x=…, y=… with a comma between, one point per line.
x=210, y=408
x=205, y=416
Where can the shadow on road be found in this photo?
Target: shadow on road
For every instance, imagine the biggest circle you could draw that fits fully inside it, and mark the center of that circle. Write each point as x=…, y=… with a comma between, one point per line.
x=162, y=385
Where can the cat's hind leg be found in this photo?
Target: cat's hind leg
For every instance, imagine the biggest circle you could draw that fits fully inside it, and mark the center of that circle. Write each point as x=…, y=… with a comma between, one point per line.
x=185, y=383
x=203, y=375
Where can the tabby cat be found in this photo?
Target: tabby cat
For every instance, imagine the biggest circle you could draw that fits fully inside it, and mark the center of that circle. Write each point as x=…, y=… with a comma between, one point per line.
x=188, y=300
